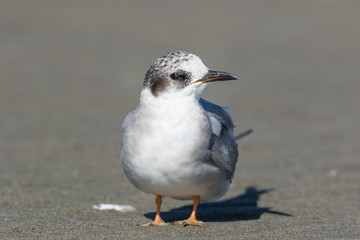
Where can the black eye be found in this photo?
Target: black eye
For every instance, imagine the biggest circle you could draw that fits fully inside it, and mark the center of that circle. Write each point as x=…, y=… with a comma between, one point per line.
x=175, y=76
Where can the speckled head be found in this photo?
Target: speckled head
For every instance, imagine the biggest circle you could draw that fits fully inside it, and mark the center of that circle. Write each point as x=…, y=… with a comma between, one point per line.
x=177, y=70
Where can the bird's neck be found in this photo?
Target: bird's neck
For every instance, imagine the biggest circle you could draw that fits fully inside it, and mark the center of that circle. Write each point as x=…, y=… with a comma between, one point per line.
x=166, y=103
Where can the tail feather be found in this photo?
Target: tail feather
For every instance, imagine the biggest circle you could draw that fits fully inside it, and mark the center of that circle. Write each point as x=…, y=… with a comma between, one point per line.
x=244, y=134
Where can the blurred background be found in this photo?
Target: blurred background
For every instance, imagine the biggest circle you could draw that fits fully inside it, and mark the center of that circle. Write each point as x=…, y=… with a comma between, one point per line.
x=70, y=71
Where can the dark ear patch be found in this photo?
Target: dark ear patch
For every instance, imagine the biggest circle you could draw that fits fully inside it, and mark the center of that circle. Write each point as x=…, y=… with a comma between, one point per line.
x=155, y=81
x=158, y=85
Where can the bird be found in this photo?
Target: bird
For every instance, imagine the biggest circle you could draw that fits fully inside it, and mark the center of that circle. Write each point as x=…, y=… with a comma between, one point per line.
x=175, y=143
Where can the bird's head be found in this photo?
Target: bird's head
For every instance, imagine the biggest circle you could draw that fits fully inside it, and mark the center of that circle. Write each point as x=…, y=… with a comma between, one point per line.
x=181, y=72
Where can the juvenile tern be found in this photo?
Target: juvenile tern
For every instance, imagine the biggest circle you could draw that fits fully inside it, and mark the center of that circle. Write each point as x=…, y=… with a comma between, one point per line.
x=174, y=143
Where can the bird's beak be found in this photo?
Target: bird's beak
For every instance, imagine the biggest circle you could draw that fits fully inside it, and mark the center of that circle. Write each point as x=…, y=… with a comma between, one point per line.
x=213, y=76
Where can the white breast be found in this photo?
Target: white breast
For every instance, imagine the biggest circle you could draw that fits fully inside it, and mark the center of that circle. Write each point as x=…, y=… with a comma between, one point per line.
x=165, y=148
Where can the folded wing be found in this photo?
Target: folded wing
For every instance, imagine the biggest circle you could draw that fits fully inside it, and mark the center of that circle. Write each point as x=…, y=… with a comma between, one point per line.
x=223, y=147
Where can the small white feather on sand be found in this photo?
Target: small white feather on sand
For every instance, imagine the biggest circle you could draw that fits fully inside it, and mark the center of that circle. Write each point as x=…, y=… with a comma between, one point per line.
x=116, y=207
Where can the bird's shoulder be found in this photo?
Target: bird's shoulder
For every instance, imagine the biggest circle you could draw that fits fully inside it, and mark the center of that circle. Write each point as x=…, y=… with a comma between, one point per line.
x=221, y=114
x=223, y=147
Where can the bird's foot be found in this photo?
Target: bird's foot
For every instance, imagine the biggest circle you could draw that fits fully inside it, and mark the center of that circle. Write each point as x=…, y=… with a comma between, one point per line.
x=190, y=222
x=154, y=223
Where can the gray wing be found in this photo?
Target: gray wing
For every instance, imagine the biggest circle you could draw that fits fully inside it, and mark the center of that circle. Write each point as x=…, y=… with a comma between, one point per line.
x=223, y=147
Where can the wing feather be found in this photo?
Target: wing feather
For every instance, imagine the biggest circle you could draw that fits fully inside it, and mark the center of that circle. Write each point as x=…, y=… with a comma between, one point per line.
x=223, y=147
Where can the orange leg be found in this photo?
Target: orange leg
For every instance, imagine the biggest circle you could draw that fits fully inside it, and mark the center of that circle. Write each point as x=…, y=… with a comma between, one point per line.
x=157, y=221
x=191, y=221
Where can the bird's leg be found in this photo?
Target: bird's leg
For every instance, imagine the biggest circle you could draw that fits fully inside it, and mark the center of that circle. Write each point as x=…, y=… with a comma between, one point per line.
x=157, y=221
x=191, y=221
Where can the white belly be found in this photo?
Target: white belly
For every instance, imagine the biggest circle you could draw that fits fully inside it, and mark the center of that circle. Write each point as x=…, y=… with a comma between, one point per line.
x=168, y=155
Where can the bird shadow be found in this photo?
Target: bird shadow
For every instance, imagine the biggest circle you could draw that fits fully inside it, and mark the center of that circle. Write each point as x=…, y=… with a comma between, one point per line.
x=240, y=208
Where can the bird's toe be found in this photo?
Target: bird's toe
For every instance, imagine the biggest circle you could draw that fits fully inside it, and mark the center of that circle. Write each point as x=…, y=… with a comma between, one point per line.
x=154, y=223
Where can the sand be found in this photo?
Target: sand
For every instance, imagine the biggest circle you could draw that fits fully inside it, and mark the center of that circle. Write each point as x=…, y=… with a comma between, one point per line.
x=70, y=71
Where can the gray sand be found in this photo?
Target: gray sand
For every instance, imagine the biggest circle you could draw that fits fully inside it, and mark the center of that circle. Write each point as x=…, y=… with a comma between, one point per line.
x=71, y=70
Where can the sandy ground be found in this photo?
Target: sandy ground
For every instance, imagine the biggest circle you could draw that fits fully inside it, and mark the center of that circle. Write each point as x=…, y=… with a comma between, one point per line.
x=71, y=70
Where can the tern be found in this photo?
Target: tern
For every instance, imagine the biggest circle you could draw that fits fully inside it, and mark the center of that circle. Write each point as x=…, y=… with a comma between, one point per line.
x=176, y=144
